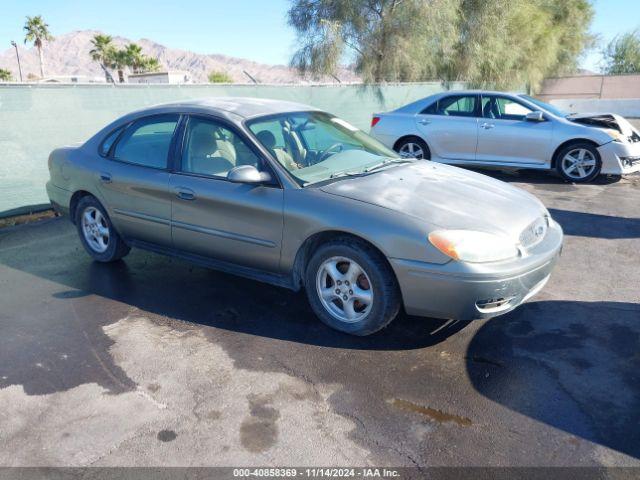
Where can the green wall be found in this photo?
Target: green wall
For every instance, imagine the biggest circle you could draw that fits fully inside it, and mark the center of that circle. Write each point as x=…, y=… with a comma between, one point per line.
x=34, y=119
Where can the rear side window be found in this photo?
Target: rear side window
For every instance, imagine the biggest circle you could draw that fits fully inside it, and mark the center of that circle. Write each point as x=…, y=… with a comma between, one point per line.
x=105, y=146
x=147, y=141
x=455, y=105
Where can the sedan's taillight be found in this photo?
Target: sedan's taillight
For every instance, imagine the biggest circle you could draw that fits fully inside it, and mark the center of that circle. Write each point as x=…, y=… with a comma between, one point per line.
x=374, y=121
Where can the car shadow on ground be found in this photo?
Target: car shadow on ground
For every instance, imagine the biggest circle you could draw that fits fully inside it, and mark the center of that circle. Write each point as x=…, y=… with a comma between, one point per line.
x=228, y=302
x=572, y=365
x=593, y=225
x=55, y=316
x=539, y=177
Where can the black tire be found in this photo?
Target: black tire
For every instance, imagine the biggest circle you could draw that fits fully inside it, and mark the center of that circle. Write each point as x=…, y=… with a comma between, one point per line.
x=560, y=165
x=403, y=143
x=380, y=279
x=115, y=246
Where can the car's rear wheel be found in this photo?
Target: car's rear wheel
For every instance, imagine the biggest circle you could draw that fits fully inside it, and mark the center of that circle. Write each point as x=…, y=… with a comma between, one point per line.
x=351, y=287
x=579, y=162
x=413, y=147
x=97, y=234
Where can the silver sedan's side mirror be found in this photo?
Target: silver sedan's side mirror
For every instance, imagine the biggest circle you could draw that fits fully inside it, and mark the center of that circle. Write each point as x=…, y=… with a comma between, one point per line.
x=247, y=174
x=536, y=116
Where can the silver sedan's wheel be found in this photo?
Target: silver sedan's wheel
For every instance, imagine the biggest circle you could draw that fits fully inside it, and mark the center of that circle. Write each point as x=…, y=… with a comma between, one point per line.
x=95, y=229
x=411, y=149
x=578, y=164
x=344, y=289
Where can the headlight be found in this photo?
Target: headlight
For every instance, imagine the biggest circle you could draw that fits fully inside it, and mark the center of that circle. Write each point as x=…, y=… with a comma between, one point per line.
x=616, y=135
x=472, y=246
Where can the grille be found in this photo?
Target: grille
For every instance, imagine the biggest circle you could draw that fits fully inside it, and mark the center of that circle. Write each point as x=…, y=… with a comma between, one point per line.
x=534, y=233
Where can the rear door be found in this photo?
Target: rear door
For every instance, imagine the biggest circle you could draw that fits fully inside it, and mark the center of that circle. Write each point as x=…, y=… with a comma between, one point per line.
x=213, y=217
x=134, y=178
x=450, y=127
x=505, y=136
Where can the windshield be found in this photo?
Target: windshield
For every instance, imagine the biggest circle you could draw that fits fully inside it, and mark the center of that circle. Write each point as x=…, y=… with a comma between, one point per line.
x=546, y=106
x=316, y=146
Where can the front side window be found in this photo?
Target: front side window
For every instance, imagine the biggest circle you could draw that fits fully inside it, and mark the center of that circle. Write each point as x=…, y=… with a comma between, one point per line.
x=503, y=108
x=455, y=105
x=147, y=141
x=316, y=146
x=212, y=149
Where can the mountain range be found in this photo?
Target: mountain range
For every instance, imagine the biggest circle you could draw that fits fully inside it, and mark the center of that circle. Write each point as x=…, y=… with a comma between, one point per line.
x=68, y=54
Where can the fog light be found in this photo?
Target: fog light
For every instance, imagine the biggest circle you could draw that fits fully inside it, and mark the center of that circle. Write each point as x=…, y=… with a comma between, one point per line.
x=490, y=305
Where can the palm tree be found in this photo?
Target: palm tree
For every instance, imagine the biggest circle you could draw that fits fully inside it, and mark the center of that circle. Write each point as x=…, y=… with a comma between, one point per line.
x=101, y=52
x=135, y=57
x=5, y=75
x=37, y=31
x=118, y=60
x=150, y=64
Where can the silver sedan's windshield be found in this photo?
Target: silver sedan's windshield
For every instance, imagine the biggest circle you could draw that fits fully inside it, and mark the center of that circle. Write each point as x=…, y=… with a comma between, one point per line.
x=316, y=146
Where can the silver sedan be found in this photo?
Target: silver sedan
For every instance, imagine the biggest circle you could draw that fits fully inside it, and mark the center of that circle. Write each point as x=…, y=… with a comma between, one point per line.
x=499, y=129
x=287, y=194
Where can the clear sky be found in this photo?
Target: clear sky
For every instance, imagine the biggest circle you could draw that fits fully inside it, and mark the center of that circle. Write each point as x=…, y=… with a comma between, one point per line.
x=252, y=29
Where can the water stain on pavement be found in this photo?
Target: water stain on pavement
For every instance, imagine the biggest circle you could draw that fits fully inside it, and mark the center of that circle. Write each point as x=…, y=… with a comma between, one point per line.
x=259, y=431
x=431, y=413
x=167, y=435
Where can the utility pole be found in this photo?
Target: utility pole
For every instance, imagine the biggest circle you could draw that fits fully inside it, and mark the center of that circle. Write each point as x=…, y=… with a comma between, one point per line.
x=250, y=77
x=15, y=45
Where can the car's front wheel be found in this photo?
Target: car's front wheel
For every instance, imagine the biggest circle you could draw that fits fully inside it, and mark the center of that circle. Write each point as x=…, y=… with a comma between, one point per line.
x=579, y=162
x=413, y=147
x=351, y=287
x=97, y=234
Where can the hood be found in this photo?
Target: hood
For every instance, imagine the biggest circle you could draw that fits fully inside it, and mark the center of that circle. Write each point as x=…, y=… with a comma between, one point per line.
x=445, y=197
x=610, y=121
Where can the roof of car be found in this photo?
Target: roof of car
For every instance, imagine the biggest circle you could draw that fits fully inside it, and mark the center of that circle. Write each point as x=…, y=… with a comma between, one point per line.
x=245, y=107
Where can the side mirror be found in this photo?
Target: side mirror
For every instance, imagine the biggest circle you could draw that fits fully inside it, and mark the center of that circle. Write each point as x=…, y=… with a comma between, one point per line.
x=536, y=116
x=247, y=174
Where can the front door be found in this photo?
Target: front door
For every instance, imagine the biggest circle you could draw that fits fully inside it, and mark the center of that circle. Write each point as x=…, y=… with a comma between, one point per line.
x=133, y=179
x=213, y=217
x=450, y=127
x=506, y=136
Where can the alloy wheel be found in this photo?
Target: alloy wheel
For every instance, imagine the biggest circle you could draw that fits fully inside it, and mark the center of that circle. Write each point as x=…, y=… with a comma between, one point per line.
x=95, y=229
x=578, y=163
x=344, y=289
x=411, y=149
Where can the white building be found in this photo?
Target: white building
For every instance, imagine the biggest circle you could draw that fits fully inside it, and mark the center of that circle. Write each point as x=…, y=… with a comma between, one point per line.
x=72, y=79
x=173, y=77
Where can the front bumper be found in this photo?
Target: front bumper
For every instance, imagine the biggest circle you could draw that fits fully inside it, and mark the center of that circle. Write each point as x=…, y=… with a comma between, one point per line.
x=463, y=291
x=620, y=158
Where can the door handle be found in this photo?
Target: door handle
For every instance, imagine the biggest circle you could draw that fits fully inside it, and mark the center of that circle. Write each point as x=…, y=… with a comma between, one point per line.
x=185, y=193
x=424, y=121
x=487, y=126
x=105, y=177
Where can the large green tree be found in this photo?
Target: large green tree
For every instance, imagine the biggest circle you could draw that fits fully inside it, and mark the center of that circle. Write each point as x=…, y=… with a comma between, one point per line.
x=37, y=32
x=497, y=43
x=387, y=39
x=622, y=54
